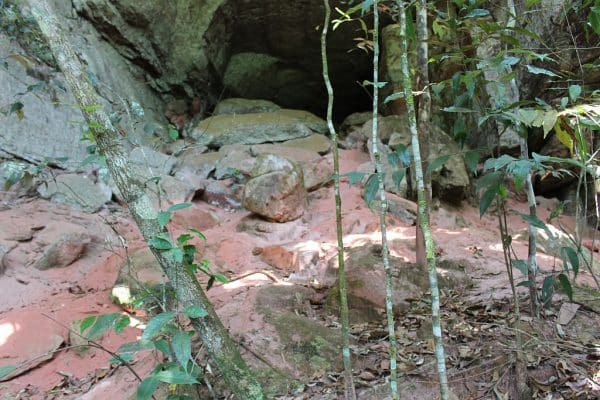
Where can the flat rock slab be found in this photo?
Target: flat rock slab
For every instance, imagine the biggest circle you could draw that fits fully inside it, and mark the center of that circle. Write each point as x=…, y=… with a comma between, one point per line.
x=27, y=339
x=276, y=126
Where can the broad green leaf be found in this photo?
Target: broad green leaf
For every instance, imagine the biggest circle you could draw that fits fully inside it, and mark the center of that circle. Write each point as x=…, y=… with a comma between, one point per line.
x=220, y=278
x=488, y=180
x=160, y=243
x=163, y=218
x=521, y=265
x=547, y=290
x=569, y=256
x=156, y=324
x=7, y=369
x=182, y=347
x=472, y=159
x=183, y=238
x=486, y=200
x=86, y=323
x=179, y=206
x=563, y=136
x=177, y=254
x=394, y=96
x=122, y=323
x=565, y=283
x=133, y=347
x=574, y=92
x=102, y=324
x=371, y=189
x=354, y=177
x=175, y=377
x=549, y=120
x=540, y=71
x=536, y=222
x=594, y=18
x=437, y=163
x=147, y=388
x=195, y=312
x=162, y=346
x=369, y=83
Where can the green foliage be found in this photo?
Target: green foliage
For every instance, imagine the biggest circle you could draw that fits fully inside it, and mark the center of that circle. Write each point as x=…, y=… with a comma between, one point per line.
x=7, y=369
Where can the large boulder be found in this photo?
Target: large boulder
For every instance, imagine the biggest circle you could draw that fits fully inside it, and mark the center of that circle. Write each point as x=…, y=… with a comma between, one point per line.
x=76, y=190
x=365, y=280
x=276, y=190
x=276, y=126
x=235, y=105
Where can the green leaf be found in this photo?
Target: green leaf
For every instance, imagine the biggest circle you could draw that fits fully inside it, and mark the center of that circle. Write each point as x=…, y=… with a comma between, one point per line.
x=535, y=222
x=195, y=312
x=525, y=284
x=563, y=136
x=102, y=324
x=86, y=323
x=162, y=346
x=394, y=96
x=176, y=377
x=574, y=92
x=569, y=255
x=163, y=218
x=455, y=109
x=478, y=12
x=156, y=324
x=122, y=323
x=147, y=388
x=369, y=83
x=594, y=18
x=133, y=347
x=123, y=358
x=565, y=283
x=220, y=278
x=521, y=265
x=6, y=369
x=182, y=347
x=398, y=176
x=179, y=206
x=354, y=177
x=160, y=243
x=472, y=159
x=371, y=189
x=437, y=163
x=547, y=290
x=198, y=233
x=540, y=71
x=486, y=200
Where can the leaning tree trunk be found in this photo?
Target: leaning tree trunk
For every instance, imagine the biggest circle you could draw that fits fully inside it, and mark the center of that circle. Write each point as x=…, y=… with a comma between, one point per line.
x=349, y=391
x=422, y=207
x=389, y=308
x=220, y=346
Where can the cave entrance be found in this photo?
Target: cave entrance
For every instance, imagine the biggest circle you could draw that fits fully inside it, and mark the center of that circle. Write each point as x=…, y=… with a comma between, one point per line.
x=274, y=54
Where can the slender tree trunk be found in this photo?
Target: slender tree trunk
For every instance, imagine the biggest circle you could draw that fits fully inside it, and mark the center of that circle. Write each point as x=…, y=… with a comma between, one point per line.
x=349, y=391
x=424, y=117
x=384, y=243
x=220, y=346
x=531, y=254
x=422, y=208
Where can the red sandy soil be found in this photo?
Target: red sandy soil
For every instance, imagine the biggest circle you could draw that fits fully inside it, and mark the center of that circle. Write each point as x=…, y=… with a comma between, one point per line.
x=35, y=305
